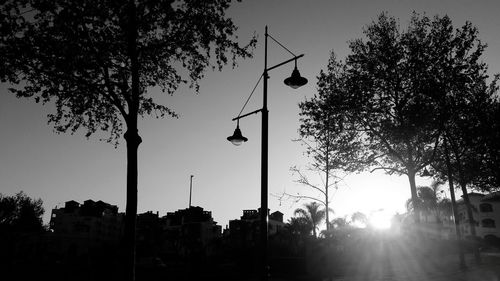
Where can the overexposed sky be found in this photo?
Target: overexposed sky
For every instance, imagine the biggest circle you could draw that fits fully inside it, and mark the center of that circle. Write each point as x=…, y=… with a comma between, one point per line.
x=59, y=168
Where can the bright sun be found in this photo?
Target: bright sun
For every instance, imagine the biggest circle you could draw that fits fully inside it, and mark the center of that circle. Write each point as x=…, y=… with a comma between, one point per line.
x=381, y=219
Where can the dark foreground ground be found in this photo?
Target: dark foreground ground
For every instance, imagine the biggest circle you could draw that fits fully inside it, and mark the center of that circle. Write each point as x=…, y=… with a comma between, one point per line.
x=408, y=268
x=378, y=259
x=433, y=268
x=429, y=268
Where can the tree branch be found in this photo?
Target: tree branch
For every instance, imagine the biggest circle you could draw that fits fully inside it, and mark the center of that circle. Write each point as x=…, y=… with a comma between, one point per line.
x=301, y=197
x=113, y=98
x=384, y=141
x=390, y=169
x=303, y=180
x=434, y=151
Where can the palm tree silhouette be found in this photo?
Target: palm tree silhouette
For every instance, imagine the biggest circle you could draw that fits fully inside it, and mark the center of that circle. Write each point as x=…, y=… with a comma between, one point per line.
x=313, y=214
x=430, y=202
x=359, y=217
x=299, y=226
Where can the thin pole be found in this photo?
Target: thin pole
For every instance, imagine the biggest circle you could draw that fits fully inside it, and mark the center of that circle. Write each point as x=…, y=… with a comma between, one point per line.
x=264, y=173
x=190, y=189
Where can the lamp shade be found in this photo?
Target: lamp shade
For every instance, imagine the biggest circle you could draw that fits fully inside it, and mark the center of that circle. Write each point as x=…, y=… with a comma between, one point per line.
x=295, y=80
x=237, y=138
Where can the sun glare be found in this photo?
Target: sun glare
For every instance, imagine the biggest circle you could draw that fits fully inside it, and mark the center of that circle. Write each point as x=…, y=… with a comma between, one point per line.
x=380, y=220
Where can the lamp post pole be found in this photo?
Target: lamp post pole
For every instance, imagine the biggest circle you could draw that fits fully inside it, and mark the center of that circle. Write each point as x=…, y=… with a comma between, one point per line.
x=264, y=173
x=294, y=81
x=190, y=189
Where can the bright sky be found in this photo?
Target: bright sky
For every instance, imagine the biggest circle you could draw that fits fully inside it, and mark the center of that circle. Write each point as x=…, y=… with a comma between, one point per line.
x=59, y=168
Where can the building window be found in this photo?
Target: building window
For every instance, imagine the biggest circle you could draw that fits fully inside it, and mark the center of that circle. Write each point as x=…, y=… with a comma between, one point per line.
x=485, y=208
x=488, y=223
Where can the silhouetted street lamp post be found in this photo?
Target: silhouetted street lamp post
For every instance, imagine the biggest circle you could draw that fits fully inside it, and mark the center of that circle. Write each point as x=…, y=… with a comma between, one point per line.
x=294, y=81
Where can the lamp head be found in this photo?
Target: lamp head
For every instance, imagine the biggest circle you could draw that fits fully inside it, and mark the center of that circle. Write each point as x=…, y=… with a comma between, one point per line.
x=237, y=138
x=295, y=80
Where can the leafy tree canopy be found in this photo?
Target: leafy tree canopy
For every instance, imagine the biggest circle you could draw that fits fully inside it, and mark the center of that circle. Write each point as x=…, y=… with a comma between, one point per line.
x=489, y=150
x=329, y=142
x=299, y=226
x=97, y=59
x=313, y=214
x=20, y=213
x=393, y=96
x=87, y=56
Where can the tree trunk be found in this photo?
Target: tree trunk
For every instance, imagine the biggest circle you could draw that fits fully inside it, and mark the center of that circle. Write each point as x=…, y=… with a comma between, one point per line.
x=461, y=256
x=327, y=203
x=468, y=206
x=472, y=222
x=414, y=199
x=133, y=140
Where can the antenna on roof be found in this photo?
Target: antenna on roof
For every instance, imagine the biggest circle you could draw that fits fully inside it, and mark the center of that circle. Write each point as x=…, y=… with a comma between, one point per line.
x=190, y=189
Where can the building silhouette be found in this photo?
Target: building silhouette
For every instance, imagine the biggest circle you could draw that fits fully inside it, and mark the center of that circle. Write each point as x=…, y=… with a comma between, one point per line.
x=245, y=231
x=148, y=236
x=78, y=230
x=188, y=231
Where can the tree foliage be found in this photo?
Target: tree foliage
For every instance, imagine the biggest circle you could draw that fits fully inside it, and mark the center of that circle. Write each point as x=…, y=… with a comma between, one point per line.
x=20, y=213
x=474, y=143
x=329, y=143
x=461, y=81
x=329, y=151
x=430, y=202
x=387, y=94
x=299, y=226
x=79, y=55
x=360, y=218
x=313, y=214
x=466, y=107
x=98, y=60
x=487, y=177
x=394, y=92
